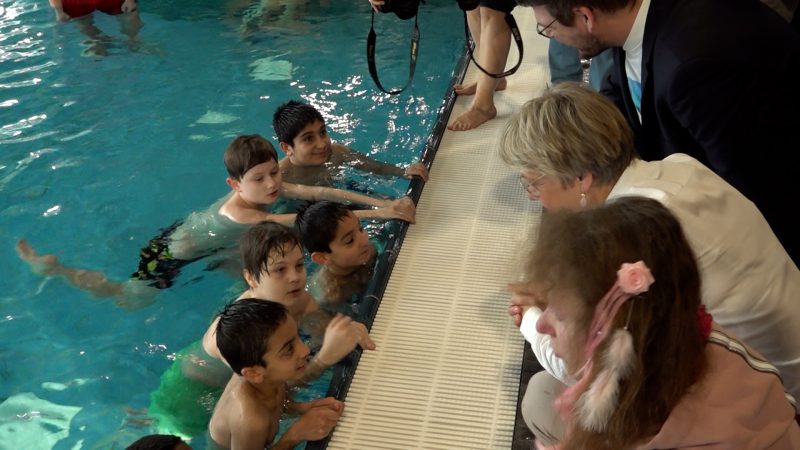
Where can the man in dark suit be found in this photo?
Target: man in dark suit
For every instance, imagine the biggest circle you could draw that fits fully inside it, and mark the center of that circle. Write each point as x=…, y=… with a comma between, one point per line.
x=716, y=79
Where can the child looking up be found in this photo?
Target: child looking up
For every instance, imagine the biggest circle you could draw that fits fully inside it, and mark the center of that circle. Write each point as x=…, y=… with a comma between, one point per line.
x=259, y=340
x=274, y=269
x=311, y=157
x=334, y=237
x=257, y=194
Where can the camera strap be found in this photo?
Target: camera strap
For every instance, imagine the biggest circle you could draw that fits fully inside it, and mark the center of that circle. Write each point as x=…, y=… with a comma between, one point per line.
x=512, y=24
x=373, y=71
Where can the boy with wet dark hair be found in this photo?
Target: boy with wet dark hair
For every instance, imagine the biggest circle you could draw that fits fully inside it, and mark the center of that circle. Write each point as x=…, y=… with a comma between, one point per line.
x=334, y=237
x=258, y=191
x=274, y=268
x=311, y=157
x=159, y=442
x=259, y=340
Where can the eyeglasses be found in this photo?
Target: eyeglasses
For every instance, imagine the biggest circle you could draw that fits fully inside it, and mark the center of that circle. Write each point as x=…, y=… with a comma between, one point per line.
x=531, y=187
x=542, y=30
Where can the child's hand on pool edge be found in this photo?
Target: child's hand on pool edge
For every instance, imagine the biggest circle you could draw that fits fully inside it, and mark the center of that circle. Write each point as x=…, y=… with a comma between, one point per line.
x=402, y=208
x=341, y=337
x=317, y=421
x=416, y=170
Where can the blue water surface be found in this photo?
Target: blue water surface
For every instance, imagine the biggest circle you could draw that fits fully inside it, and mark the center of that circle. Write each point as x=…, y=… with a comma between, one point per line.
x=98, y=153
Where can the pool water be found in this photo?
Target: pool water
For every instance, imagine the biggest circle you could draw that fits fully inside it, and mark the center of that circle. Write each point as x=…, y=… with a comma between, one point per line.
x=98, y=153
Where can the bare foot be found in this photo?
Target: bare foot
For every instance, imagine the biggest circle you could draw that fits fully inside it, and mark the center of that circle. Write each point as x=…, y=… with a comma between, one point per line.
x=472, y=118
x=469, y=89
x=40, y=264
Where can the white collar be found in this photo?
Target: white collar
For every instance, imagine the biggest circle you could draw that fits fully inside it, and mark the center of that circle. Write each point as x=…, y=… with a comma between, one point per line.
x=636, y=36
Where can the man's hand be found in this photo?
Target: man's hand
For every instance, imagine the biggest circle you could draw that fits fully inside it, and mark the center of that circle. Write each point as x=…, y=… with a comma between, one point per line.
x=341, y=337
x=416, y=170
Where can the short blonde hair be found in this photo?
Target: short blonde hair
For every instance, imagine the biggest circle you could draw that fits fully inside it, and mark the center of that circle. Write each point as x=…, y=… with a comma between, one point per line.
x=566, y=132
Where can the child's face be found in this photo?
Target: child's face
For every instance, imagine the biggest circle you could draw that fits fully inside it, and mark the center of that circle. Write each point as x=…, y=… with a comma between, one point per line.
x=311, y=147
x=261, y=185
x=284, y=281
x=350, y=247
x=286, y=354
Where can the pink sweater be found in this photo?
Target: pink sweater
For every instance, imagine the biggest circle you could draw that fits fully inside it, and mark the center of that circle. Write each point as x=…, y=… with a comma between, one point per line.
x=740, y=404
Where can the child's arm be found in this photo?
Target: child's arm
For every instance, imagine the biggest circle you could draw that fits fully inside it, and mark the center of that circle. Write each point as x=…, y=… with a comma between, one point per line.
x=317, y=421
x=254, y=433
x=364, y=163
x=402, y=209
x=342, y=335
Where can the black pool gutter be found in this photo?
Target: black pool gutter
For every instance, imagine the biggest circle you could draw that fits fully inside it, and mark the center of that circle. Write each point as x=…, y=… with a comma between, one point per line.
x=343, y=372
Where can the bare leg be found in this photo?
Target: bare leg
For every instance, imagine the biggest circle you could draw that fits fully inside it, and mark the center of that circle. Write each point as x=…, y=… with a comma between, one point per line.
x=474, y=23
x=90, y=281
x=130, y=24
x=495, y=42
x=97, y=41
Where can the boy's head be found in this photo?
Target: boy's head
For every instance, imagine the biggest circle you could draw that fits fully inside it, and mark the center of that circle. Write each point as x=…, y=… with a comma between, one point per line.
x=159, y=442
x=333, y=235
x=258, y=339
x=302, y=134
x=273, y=263
x=253, y=173
x=246, y=152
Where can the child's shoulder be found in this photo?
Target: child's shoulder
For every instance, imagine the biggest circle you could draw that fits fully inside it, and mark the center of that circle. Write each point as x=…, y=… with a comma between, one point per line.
x=340, y=153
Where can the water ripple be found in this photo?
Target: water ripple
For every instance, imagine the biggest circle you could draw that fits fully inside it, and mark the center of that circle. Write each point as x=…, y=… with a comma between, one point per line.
x=23, y=83
x=24, y=70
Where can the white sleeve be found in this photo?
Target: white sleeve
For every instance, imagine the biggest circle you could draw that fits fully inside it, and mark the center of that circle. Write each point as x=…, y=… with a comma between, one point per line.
x=540, y=344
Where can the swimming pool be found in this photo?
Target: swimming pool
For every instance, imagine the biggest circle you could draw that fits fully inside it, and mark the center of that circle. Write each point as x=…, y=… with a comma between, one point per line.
x=97, y=154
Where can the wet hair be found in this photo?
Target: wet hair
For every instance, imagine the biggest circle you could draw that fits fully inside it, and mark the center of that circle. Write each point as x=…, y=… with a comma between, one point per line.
x=317, y=224
x=562, y=10
x=578, y=254
x=264, y=241
x=291, y=117
x=244, y=329
x=246, y=152
x=156, y=442
x=568, y=131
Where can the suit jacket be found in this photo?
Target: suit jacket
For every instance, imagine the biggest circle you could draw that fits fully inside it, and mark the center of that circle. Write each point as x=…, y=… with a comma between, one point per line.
x=721, y=82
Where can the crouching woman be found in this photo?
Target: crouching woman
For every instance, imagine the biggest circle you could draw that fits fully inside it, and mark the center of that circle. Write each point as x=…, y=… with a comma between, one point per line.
x=649, y=368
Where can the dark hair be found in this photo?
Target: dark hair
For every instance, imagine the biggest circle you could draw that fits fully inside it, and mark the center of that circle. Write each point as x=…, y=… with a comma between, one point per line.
x=244, y=329
x=262, y=240
x=291, y=117
x=562, y=10
x=246, y=152
x=317, y=224
x=580, y=253
x=156, y=442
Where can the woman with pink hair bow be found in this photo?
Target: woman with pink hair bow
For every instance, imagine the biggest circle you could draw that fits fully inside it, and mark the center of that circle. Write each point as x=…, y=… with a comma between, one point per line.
x=620, y=292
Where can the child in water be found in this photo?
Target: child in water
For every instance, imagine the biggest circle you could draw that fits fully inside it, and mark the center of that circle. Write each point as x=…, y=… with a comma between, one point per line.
x=337, y=242
x=257, y=194
x=273, y=269
x=311, y=157
x=259, y=340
